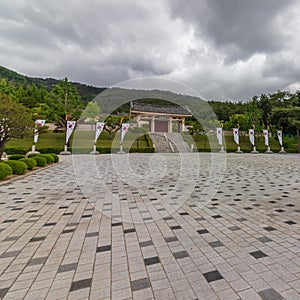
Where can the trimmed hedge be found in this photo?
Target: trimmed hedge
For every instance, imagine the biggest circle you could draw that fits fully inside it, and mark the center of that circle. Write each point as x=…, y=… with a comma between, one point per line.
x=16, y=156
x=40, y=161
x=55, y=157
x=18, y=167
x=49, y=158
x=30, y=162
x=5, y=170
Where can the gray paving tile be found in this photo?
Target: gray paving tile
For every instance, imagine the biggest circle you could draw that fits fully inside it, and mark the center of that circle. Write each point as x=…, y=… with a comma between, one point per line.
x=140, y=284
x=270, y=294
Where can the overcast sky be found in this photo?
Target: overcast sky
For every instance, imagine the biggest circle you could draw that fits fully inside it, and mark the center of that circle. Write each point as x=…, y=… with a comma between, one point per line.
x=224, y=49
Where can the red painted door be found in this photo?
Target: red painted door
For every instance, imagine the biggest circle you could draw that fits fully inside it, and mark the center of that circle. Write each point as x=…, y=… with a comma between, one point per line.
x=161, y=126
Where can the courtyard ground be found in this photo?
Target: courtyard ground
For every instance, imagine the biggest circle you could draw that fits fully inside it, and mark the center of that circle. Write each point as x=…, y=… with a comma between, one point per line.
x=153, y=226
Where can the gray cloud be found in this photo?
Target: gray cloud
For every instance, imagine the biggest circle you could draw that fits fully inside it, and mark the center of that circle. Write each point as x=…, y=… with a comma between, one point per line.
x=229, y=49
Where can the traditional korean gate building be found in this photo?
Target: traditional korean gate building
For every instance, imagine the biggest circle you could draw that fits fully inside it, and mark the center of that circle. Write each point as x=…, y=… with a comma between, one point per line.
x=160, y=118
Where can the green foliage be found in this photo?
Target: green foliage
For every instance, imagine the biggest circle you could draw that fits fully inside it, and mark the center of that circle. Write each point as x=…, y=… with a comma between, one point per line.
x=5, y=170
x=18, y=167
x=113, y=124
x=15, y=120
x=49, y=158
x=91, y=111
x=40, y=161
x=55, y=157
x=16, y=156
x=30, y=162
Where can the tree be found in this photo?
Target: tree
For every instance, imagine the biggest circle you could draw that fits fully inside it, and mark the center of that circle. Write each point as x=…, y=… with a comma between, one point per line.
x=254, y=113
x=91, y=111
x=15, y=121
x=65, y=101
x=113, y=124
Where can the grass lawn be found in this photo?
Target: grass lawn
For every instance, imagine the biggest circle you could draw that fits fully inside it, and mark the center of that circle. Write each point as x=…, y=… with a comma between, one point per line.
x=79, y=140
x=205, y=143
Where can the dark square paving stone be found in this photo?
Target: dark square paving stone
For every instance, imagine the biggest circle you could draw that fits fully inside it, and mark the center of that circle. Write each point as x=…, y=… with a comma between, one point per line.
x=3, y=292
x=269, y=228
x=37, y=239
x=129, y=230
x=116, y=224
x=86, y=216
x=50, y=224
x=67, y=268
x=151, y=261
x=270, y=294
x=11, y=238
x=180, y=254
x=67, y=214
x=9, y=221
x=216, y=244
x=81, y=284
x=217, y=217
x=234, y=228
x=147, y=219
x=184, y=213
x=140, y=284
x=241, y=219
x=167, y=218
x=92, y=234
x=280, y=210
x=290, y=205
x=175, y=227
x=212, y=276
x=37, y=261
x=290, y=222
x=258, y=254
x=10, y=254
x=68, y=231
x=202, y=231
x=146, y=244
x=265, y=239
x=103, y=248
x=171, y=239
x=199, y=218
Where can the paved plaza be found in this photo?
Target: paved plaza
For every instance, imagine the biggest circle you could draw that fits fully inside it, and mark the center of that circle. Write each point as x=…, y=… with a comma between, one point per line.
x=153, y=226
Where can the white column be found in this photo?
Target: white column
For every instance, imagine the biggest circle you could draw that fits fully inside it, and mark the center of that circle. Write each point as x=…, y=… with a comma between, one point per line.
x=152, y=125
x=170, y=125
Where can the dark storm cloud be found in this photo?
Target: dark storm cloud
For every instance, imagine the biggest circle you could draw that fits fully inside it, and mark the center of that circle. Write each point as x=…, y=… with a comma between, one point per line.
x=225, y=49
x=237, y=27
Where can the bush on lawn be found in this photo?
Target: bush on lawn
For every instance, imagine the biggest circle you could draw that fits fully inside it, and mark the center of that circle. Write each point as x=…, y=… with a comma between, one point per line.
x=5, y=170
x=40, y=161
x=55, y=157
x=30, y=162
x=18, y=167
x=16, y=156
x=49, y=158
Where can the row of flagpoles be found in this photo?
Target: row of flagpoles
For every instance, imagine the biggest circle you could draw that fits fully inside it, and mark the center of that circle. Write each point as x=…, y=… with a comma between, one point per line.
x=251, y=137
x=99, y=126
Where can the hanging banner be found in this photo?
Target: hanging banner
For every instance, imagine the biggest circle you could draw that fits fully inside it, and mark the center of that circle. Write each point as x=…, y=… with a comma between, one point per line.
x=219, y=135
x=251, y=136
x=70, y=128
x=99, y=129
x=38, y=123
x=266, y=136
x=236, y=135
x=279, y=135
x=125, y=128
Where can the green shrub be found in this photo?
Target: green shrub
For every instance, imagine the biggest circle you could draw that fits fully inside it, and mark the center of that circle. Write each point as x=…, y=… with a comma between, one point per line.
x=49, y=158
x=40, y=161
x=30, y=162
x=18, y=167
x=16, y=156
x=5, y=170
x=55, y=157
x=32, y=155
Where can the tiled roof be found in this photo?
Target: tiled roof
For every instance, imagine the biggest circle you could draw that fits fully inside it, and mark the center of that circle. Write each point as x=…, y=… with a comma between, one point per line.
x=170, y=110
